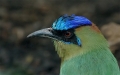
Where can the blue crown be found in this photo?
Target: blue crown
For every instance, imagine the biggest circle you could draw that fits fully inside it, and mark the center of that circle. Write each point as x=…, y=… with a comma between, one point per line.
x=66, y=22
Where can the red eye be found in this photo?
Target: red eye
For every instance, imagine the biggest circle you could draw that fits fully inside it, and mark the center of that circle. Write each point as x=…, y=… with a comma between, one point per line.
x=68, y=34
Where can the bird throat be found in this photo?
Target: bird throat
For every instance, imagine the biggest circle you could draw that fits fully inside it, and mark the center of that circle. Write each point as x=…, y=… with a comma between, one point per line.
x=99, y=61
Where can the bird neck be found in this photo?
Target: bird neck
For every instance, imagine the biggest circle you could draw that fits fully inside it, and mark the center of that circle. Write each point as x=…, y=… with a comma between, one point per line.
x=92, y=58
x=97, y=62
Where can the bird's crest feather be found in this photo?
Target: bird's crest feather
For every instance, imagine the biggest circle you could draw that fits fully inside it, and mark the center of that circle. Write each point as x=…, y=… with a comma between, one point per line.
x=66, y=22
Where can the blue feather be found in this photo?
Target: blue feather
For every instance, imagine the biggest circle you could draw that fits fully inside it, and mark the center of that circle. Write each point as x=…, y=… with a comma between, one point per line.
x=78, y=42
x=66, y=22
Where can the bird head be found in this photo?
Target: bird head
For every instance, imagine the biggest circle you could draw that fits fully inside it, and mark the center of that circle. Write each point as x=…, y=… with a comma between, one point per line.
x=72, y=35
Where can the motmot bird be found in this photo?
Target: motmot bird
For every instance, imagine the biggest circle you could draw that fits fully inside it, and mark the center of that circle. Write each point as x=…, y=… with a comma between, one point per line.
x=81, y=46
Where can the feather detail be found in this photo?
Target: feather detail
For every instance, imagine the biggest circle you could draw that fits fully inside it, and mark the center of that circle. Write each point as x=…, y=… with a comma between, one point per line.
x=67, y=22
x=94, y=27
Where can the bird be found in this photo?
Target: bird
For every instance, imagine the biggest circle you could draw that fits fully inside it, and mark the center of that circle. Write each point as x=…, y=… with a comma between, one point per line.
x=81, y=46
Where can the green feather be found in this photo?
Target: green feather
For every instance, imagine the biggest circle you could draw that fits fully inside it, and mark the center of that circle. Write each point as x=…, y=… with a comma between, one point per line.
x=92, y=58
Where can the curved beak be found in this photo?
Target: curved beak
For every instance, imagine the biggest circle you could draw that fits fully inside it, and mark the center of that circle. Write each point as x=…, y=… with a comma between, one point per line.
x=47, y=32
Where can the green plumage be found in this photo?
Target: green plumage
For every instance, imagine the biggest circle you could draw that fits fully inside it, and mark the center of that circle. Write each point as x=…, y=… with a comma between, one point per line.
x=81, y=46
x=92, y=58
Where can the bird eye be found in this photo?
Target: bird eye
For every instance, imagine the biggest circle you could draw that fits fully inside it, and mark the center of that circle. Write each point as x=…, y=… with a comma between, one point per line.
x=68, y=34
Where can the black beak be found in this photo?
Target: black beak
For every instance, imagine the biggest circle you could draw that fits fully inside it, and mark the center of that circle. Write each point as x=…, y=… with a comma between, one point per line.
x=47, y=32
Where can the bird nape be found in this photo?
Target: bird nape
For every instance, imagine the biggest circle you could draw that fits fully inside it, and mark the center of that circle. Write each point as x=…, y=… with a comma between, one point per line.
x=81, y=46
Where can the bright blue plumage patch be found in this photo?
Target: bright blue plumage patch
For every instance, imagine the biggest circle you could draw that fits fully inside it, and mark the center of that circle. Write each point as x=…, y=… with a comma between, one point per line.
x=66, y=22
x=78, y=42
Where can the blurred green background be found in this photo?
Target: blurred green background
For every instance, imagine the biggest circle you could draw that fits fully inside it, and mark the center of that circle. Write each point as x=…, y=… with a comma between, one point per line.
x=36, y=56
